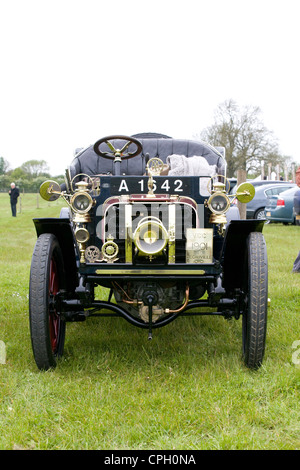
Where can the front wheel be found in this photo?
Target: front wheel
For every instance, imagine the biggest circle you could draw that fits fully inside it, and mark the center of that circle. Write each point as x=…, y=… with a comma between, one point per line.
x=255, y=314
x=47, y=327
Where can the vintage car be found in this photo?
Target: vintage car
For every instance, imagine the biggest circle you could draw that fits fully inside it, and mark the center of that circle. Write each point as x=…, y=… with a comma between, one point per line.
x=280, y=208
x=149, y=218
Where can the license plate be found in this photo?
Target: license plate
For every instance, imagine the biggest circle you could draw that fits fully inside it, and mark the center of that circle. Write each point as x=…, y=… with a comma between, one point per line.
x=297, y=217
x=268, y=214
x=161, y=185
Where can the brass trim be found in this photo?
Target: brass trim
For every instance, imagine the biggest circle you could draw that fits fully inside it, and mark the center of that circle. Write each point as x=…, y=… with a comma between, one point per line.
x=81, y=218
x=128, y=233
x=197, y=272
x=218, y=219
x=110, y=256
x=155, y=166
x=172, y=220
x=82, y=230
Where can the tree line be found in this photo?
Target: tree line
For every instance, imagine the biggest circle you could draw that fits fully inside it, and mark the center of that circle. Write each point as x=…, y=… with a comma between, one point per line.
x=28, y=177
x=249, y=146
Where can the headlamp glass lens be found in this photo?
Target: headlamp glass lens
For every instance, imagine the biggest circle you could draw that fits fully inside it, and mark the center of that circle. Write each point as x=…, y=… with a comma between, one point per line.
x=218, y=203
x=82, y=203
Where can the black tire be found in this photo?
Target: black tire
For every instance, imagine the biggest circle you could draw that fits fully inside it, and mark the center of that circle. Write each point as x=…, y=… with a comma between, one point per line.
x=255, y=314
x=47, y=327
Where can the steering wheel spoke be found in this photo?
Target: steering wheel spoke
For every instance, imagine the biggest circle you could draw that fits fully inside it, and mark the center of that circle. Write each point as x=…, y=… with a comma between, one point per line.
x=110, y=145
x=125, y=147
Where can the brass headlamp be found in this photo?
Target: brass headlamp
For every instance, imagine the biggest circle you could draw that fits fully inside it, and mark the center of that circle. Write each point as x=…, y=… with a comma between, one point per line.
x=150, y=237
x=218, y=203
x=81, y=201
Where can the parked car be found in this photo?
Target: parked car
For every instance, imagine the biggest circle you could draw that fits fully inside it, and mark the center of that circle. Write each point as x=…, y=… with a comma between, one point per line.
x=233, y=183
x=280, y=208
x=297, y=206
x=263, y=191
x=148, y=218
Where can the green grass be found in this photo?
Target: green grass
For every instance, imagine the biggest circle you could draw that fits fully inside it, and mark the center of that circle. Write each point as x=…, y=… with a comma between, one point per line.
x=113, y=389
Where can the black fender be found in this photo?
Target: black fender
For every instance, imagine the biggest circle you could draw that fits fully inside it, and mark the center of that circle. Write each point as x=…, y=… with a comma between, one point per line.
x=234, y=251
x=61, y=228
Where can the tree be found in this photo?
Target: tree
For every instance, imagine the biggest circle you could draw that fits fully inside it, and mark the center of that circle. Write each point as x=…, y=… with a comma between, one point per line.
x=246, y=139
x=35, y=168
x=18, y=173
x=4, y=165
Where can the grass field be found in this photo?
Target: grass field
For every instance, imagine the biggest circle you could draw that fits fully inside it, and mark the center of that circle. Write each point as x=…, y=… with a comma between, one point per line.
x=113, y=389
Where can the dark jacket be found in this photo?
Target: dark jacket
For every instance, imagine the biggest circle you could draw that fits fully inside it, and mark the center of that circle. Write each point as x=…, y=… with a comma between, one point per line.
x=14, y=194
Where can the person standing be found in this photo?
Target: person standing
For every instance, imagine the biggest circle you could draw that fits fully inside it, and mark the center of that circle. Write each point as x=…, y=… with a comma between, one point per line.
x=14, y=194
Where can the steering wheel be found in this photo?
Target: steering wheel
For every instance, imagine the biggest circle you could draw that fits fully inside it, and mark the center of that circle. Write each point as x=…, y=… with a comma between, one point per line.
x=118, y=154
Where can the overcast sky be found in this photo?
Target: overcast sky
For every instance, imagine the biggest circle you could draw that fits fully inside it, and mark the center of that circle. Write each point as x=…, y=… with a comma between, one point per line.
x=74, y=71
